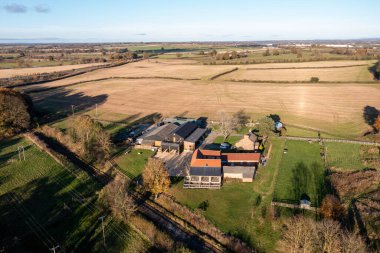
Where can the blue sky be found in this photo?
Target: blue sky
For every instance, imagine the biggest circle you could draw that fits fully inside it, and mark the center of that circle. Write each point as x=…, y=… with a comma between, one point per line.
x=187, y=20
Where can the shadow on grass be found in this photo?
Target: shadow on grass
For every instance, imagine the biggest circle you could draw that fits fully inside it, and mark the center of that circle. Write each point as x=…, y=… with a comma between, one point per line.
x=46, y=212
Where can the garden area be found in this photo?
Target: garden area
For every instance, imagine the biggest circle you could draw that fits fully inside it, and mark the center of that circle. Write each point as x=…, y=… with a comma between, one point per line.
x=301, y=173
x=133, y=162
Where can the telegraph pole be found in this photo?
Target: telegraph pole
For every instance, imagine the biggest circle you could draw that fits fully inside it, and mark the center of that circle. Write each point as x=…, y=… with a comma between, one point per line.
x=104, y=238
x=72, y=109
x=21, y=153
x=54, y=248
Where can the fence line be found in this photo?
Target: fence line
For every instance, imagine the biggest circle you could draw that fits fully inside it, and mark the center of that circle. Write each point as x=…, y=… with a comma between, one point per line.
x=294, y=206
x=331, y=140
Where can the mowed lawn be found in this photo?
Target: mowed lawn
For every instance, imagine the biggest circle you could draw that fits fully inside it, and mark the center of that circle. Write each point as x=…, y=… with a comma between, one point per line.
x=301, y=172
x=232, y=139
x=132, y=163
x=235, y=208
x=344, y=156
x=44, y=204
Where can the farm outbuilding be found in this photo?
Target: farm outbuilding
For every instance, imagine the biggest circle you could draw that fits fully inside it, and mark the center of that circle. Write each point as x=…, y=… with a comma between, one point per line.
x=194, y=139
x=182, y=132
x=244, y=173
x=158, y=135
x=249, y=142
x=170, y=146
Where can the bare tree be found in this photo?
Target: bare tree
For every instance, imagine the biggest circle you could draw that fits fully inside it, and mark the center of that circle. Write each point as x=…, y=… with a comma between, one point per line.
x=299, y=235
x=353, y=243
x=306, y=235
x=156, y=177
x=120, y=202
x=227, y=123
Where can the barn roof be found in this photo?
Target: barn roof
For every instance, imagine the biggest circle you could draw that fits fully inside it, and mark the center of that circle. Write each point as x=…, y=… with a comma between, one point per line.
x=206, y=171
x=185, y=130
x=246, y=172
x=241, y=157
x=199, y=160
x=161, y=133
x=196, y=135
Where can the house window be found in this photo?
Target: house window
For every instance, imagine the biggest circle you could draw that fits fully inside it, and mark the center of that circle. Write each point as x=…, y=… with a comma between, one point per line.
x=215, y=179
x=205, y=179
x=194, y=178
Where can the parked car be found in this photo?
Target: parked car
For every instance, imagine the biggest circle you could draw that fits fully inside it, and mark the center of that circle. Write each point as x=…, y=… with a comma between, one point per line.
x=225, y=145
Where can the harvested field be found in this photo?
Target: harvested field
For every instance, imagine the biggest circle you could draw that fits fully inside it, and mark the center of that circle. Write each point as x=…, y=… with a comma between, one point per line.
x=170, y=69
x=6, y=73
x=344, y=72
x=333, y=108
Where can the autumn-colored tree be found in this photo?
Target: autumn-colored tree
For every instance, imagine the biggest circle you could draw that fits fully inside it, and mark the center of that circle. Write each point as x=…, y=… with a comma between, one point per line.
x=234, y=55
x=331, y=207
x=155, y=177
x=266, y=53
x=376, y=125
x=93, y=141
x=120, y=202
x=146, y=55
x=213, y=53
x=16, y=112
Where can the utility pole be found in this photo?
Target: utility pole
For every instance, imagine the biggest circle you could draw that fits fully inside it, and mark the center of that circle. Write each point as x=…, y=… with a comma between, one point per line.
x=21, y=153
x=72, y=109
x=104, y=238
x=54, y=248
x=96, y=108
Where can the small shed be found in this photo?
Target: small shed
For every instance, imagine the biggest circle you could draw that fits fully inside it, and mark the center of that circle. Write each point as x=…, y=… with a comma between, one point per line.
x=244, y=173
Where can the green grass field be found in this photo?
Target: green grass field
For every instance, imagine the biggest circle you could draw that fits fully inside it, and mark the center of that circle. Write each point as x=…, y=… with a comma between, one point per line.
x=300, y=172
x=53, y=206
x=344, y=156
x=232, y=139
x=132, y=164
x=236, y=209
